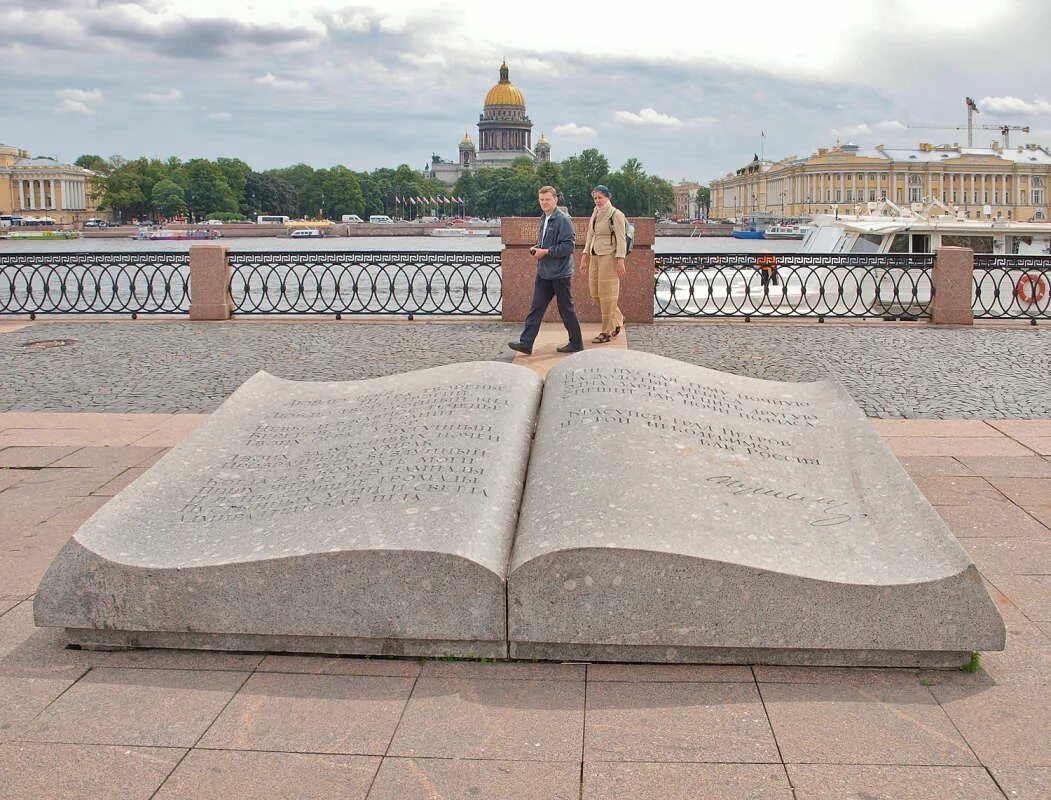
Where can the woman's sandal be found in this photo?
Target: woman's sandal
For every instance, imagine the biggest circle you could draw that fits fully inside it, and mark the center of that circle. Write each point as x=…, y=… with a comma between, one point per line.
x=616, y=332
x=602, y=338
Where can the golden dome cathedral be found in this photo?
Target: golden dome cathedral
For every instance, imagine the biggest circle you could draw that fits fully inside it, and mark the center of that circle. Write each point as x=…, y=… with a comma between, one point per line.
x=505, y=93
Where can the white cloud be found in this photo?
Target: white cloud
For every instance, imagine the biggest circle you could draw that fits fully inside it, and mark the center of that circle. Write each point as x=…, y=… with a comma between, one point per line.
x=852, y=131
x=80, y=95
x=572, y=129
x=1014, y=105
x=864, y=129
x=649, y=117
x=73, y=107
x=75, y=101
x=351, y=21
x=432, y=59
x=170, y=96
x=283, y=84
x=700, y=122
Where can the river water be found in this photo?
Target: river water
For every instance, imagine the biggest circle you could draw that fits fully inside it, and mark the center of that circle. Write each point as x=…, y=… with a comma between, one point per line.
x=437, y=244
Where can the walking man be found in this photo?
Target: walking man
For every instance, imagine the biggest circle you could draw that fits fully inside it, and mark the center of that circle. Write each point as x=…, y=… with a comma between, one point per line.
x=554, y=272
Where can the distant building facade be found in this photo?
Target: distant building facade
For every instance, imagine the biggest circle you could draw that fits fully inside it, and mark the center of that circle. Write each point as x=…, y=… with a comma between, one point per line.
x=687, y=203
x=43, y=187
x=504, y=134
x=997, y=182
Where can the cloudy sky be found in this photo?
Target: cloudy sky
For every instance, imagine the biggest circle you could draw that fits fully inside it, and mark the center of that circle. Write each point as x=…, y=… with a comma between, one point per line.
x=688, y=88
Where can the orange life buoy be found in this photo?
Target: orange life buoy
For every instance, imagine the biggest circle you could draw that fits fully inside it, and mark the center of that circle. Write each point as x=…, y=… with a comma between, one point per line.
x=1031, y=288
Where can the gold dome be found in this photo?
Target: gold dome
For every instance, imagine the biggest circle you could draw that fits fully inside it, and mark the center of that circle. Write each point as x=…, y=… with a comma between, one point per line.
x=541, y=140
x=504, y=93
x=466, y=139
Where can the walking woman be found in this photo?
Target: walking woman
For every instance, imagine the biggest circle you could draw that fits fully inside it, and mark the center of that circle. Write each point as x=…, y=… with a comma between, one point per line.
x=603, y=261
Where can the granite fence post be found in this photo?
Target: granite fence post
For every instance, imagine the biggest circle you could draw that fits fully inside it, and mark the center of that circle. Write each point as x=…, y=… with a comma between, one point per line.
x=953, y=282
x=210, y=283
x=518, y=271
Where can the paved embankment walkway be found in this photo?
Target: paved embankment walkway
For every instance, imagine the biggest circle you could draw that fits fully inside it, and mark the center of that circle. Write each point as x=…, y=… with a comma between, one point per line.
x=178, y=724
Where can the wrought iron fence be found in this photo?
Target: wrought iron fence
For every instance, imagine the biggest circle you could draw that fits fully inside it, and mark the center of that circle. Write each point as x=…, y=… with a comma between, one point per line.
x=94, y=283
x=1012, y=287
x=366, y=283
x=793, y=285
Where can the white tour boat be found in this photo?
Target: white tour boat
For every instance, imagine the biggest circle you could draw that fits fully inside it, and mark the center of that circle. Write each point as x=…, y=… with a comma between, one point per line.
x=921, y=228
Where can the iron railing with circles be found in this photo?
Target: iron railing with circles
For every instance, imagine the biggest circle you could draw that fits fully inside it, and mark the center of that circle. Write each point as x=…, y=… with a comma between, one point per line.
x=1012, y=287
x=800, y=285
x=94, y=283
x=340, y=283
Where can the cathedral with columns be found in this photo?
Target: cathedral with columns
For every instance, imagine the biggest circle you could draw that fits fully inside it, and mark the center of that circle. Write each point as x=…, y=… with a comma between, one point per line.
x=504, y=134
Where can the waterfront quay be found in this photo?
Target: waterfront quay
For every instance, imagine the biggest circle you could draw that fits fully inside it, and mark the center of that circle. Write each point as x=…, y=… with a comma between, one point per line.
x=88, y=404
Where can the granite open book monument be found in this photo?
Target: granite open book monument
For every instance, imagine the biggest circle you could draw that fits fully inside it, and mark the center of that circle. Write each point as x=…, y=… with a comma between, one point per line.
x=631, y=508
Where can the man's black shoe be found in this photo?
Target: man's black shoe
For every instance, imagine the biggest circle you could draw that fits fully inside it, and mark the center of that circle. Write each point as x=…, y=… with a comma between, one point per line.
x=570, y=348
x=521, y=347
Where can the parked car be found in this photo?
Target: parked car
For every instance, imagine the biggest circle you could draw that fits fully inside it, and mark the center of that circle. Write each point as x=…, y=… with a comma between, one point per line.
x=381, y=219
x=95, y=222
x=213, y=222
x=352, y=218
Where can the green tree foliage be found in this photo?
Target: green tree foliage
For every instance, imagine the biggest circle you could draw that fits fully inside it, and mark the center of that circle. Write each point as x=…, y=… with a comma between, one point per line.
x=93, y=162
x=206, y=189
x=330, y=193
x=168, y=199
x=580, y=174
x=269, y=194
x=229, y=187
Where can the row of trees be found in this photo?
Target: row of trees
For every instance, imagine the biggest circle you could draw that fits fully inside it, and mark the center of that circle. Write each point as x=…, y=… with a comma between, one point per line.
x=228, y=188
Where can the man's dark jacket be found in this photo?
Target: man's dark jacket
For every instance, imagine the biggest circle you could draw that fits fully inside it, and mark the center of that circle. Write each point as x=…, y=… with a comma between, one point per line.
x=560, y=239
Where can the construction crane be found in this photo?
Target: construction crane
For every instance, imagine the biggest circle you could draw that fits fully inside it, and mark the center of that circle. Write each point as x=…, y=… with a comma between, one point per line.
x=972, y=109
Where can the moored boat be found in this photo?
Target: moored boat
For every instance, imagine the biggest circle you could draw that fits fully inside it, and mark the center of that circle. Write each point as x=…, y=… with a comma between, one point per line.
x=14, y=234
x=306, y=233
x=785, y=231
x=888, y=228
x=167, y=234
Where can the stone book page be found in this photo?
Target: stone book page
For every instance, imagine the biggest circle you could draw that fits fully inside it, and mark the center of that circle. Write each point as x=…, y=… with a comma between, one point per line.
x=382, y=509
x=668, y=505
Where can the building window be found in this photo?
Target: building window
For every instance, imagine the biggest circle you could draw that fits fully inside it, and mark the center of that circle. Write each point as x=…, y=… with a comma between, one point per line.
x=839, y=195
x=914, y=194
x=1038, y=182
x=850, y=195
x=915, y=180
x=1038, y=197
x=872, y=195
x=954, y=197
x=975, y=197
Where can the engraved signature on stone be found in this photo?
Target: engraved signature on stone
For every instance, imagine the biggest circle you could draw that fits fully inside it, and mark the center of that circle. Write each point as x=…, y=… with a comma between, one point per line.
x=833, y=507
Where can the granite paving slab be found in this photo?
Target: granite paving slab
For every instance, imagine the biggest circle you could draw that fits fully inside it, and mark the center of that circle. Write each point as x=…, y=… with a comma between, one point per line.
x=136, y=707
x=1006, y=725
x=33, y=456
x=33, y=771
x=480, y=718
x=893, y=725
x=1024, y=783
x=400, y=778
x=344, y=714
x=649, y=781
x=711, y=722
x=839, y=781
x=727, y=519
x=368, y=517
x=233, y=775
x=992, y=520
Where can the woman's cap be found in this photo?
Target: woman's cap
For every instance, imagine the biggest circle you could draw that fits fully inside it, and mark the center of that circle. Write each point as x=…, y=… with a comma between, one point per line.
x=601, y=190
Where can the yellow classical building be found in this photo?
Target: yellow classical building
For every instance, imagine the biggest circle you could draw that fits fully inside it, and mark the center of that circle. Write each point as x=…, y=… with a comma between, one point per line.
x=997, y=182
x=43, y=187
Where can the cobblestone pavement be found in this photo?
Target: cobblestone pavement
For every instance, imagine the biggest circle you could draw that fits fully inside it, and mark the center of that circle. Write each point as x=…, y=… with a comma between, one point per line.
x=146, y=366
x=890, y=371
